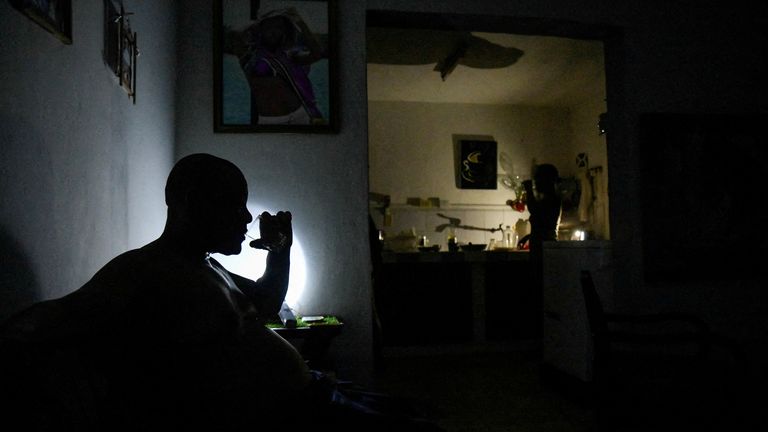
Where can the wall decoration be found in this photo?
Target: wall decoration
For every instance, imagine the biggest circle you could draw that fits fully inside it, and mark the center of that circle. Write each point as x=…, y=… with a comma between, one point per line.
x=274, y=66
x=128, y=54
x=53, y=15
x=477, y=164
x=120, y=48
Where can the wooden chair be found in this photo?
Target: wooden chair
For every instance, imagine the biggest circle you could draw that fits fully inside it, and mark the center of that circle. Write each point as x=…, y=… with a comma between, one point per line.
x=648, y=369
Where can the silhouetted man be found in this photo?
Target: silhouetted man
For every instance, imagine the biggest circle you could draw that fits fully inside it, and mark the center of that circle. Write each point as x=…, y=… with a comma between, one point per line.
x=166, y=338
x=173, y=336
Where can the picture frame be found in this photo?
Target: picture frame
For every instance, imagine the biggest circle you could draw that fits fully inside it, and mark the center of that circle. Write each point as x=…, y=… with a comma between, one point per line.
x=127, y=63
x=477, y=164
x=275, y=66
x=120, y=48
x=55, y=16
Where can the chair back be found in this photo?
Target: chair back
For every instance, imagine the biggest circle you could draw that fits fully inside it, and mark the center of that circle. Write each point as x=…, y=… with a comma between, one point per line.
x=598, y=325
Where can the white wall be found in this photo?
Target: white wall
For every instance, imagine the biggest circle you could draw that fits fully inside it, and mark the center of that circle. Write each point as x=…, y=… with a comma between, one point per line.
x=411, y=146
x=411, y=154
x=82, y=168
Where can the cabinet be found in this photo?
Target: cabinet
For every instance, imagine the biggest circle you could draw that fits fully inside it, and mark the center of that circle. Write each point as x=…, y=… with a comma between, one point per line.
x=566, y=341
x=433, y=298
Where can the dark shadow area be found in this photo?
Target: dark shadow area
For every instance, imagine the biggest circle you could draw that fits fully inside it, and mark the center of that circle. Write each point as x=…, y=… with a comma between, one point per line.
x=666, y=371
x=484, y=391
x=703, y=189
x=18, y=284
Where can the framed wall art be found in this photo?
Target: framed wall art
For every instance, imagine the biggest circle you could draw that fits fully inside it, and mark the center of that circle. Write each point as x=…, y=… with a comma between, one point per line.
x=54, y=16
x=120, y=49
x=274, y=66
x=476, y=168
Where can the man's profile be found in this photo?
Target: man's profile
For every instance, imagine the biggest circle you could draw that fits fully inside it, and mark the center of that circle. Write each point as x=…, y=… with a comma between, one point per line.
x=171, y=331
x=163, y=337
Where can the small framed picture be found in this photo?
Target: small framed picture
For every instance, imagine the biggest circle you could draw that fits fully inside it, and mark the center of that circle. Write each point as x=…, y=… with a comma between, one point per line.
x=274, y=66
x=128, y=54
x=476, y=164
x=120, y=49
x=53, y=15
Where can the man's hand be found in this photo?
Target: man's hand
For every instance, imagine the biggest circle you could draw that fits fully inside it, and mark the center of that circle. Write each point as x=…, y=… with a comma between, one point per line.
x=276, y=232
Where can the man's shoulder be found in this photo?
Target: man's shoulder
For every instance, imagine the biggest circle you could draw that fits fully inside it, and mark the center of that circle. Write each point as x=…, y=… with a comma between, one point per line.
x=128, y=258
x=129, y=265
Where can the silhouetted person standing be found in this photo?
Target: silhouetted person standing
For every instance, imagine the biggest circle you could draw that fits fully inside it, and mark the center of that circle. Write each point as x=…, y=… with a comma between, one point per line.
x=545, y=208
x=544, y=203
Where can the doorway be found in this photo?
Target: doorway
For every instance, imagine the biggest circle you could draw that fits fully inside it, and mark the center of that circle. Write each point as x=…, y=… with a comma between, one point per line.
x=534, y=88
x=537, y=88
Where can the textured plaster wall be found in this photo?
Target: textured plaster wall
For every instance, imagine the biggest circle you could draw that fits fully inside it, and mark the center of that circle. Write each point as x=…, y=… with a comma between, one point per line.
x=82, y=168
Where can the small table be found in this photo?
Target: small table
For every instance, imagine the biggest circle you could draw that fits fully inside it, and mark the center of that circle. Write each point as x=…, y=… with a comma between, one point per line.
x=312, y=341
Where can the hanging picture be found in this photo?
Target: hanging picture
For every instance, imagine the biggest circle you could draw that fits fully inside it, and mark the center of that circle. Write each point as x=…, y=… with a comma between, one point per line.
x=477, y=164
x=128, y=54
x=274, y=66
x=120, y=50
x=54, y=16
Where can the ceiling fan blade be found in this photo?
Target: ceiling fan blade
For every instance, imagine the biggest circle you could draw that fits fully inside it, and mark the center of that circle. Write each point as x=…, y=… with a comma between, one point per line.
x=483, y=54
x=394, y=46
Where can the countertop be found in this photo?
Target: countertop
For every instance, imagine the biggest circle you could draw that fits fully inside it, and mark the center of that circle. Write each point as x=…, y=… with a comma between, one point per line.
x=390, y=257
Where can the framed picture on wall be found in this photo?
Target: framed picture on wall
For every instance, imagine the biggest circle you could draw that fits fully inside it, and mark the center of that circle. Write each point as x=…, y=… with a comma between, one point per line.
x=120, y=50
x=476, y=164
x=274, y=66
x=128, y=54
x=53, y=15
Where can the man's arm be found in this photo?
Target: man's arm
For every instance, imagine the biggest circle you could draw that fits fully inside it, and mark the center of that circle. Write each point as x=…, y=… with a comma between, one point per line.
x=268, y=292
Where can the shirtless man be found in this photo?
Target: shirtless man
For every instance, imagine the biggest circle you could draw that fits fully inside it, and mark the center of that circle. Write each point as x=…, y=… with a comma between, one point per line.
x=175, y=337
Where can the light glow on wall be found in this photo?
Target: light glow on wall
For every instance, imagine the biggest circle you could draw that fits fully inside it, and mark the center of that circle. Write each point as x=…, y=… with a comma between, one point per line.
x=251, y=263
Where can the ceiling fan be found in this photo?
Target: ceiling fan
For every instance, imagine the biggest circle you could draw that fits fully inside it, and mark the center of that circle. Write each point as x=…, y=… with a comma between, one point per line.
x=445, y=48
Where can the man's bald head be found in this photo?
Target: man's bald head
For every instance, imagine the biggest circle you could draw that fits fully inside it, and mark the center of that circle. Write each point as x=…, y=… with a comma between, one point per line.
x=199, y=175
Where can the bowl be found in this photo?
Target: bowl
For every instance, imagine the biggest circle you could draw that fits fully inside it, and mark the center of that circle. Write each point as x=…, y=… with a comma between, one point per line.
x=469, y=247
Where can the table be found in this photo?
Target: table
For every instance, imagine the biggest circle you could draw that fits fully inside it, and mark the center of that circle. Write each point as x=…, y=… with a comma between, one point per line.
x=312, y=342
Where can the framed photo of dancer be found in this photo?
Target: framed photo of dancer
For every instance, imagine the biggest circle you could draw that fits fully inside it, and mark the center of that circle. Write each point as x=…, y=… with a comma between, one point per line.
x=275, y=66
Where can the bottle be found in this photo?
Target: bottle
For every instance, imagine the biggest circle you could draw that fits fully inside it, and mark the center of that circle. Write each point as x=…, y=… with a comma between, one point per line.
x=515, y=238
x=508, y=237
x=453, y=242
